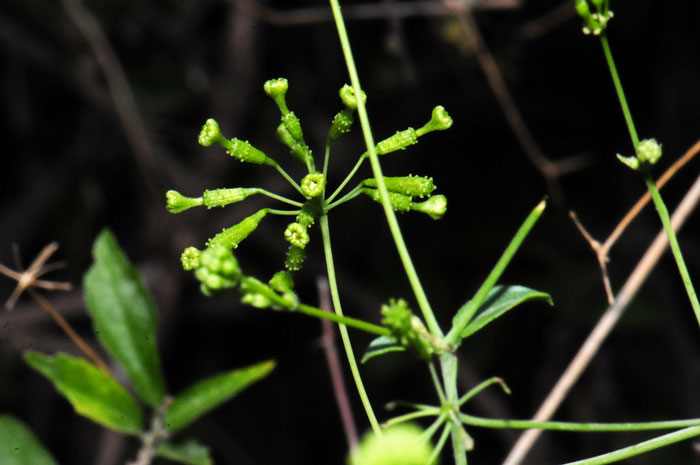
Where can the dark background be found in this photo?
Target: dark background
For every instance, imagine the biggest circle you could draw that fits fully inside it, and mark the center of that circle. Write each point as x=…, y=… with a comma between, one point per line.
x=70, y=168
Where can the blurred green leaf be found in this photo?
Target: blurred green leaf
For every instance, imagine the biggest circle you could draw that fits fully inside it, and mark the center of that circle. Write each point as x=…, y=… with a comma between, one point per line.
x=190, y=452
x=92, y=392
x=212, y=392
x=498, y=301
x=19, y=446
x=380, y=346
x=124, y=317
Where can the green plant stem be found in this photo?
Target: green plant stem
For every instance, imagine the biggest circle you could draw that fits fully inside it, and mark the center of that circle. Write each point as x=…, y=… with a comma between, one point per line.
x=412, y=416
x=448, y=365
x=272, y=195
x=288, y=178
x=350, y=175
x=344, y=320
x=357, y=190
x=335, y=296
x=436, y=383
x=620, y=92
x=454, y=335
x=480, y=387
x=579, y=427
x=673, y=243
x=440, y=444
x=428, y=433
x=282, y=212
x=326, y=157
x=421, y=298
x=641, y=448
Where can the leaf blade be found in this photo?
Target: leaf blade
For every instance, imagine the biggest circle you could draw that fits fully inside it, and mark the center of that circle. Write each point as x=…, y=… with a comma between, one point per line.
x=19, y=446
x=500, y=300
x=212, y=392
x=380, y=346
x=190, y=453
x=124, y=317
x=93, y=393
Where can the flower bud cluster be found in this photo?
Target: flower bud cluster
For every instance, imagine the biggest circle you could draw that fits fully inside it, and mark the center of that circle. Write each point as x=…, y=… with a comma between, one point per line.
x=403, y=189
x=594, y=22
x=648, y=154
x=217, y=270
x=406, y=328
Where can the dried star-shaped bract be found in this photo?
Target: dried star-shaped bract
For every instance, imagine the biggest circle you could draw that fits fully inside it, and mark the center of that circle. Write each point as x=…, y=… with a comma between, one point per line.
x=30, y=277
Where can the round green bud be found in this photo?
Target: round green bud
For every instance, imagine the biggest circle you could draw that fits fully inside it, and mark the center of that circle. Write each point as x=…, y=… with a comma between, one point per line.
x=211, y=134
x=176, y=202
x=439, y=121
x=402, y=444
x=218, y=270
x=297, y=235
x=347, y=95
x=435, y=206
x=190, y=258
x=649, y=151
x=313, y=184
x=277, y=89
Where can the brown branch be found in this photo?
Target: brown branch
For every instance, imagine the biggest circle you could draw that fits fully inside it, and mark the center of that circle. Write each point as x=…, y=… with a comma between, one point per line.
x=604, y=327
x=548, y=21
x=334, y=367
x=550, y=170
x=602, y=250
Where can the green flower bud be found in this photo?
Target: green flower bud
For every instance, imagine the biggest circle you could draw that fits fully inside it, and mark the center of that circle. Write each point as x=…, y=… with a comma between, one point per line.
x=295, y=258
x=313, y=184
x=406, y=328
x=309, y=212
x=413, y=186
x=347, y=95
x=190, y=258
x=439, y=121
x=399, y=202
x=297, y=235
x=223, y=197
x=342, y=122
x=282, y=282
x=211, y=134
x=245, y=152
x=398, y=141
x=277, y=89
x=253, y=293
x=297, y=150
x=435, y=206
x=402, y=444
x=176, y=202
x=582, y=9
x=218, y=270
x=631, y=162
x=649, y=151
x=293, y=125
x=231, y=237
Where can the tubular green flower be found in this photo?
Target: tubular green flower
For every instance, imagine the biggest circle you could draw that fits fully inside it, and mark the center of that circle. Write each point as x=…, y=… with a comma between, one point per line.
x=176, y=202
x=413, y=186
x=277, y=89
x=398, y=141
x=297, y=235
x=211, y=134
x=190, y=258
x=313, y=184
x=231, y=237
x=435, y=206
x=439, y=121
x=223, y=197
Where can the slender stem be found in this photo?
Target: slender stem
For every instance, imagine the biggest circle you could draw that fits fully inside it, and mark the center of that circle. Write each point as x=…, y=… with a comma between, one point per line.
x=343, y=320
x=280, y=198
x=282, y=212
x=641, y=448
x=448, y=364
x=428, y=433
x=620, y=93
x=580, y=427
x=335, y=295
x=357, y=190
x=436, y=383
x=288, y=178
x=440, y=444
x=347, y=179
x=480, y=387
x=412, y=416
x=673, y=242
x=464, y=318
x=422, y=299
x=326, y=157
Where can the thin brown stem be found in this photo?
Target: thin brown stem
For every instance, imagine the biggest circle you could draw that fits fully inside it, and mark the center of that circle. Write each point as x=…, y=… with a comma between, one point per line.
x=604, y=327
x=602, y=250
x=334, y=367
x=70, y=332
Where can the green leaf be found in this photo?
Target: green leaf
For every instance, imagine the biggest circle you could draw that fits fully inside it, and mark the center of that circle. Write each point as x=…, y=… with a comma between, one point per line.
x=380, y=346
x=498, y=301
x=190, y=452
x=19, y=446
x=124, y=317
x=212, y=392
x=92, y=392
